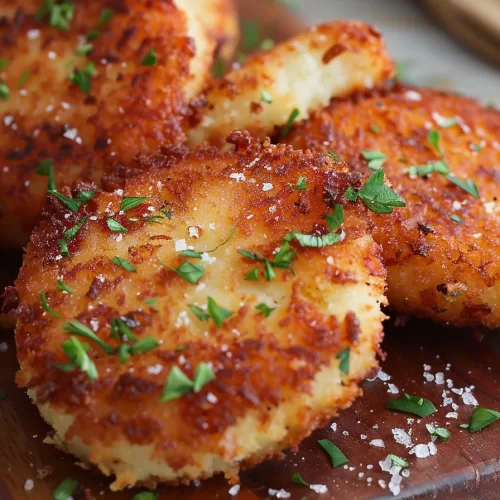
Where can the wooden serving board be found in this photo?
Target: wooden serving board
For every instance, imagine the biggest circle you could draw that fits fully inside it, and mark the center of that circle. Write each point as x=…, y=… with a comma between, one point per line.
x=466, y=467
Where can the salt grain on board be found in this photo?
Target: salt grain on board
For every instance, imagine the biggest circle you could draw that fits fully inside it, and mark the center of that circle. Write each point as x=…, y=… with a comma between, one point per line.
x=319, y=488
x=377, y=443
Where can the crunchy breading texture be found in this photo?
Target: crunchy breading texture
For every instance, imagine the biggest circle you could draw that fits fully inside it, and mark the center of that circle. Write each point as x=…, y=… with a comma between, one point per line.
x=438, y=268
x=130, y=107
x=305, y=72
x=276, y=377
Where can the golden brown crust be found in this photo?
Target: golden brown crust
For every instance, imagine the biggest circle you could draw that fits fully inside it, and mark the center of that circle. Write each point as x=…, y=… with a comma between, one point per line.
x=131, y=108
x=304, y=73
x=265, y=367
x=438, y=268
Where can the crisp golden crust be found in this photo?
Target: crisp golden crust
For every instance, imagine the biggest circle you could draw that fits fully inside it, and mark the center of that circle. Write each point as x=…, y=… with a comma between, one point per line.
x=437, y=268
x=305, y=72
x=276, y=378
x=130, y=108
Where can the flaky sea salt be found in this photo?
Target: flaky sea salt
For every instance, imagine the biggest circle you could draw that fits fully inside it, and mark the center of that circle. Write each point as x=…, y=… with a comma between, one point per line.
x=420, y=451
x=319, y=488
x=234, y=490
x=377, y=443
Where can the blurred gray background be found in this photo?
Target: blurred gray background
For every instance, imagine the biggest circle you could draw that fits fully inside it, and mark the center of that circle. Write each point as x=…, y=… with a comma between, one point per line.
x=426, y=52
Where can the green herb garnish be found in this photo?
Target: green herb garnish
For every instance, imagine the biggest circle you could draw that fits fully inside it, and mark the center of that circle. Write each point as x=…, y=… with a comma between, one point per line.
x=375, y=159
x=286, y=129
x=265, y=309
x=218, y=313
x=202, y=376
x=63, y=287
x=77, y=328
x=314, y=241
x=336, y=219
x=336, y=456
x=468, y=185
x=252, y=275
x=60, y=14
x=298, y=479
x=23, y=79
x=77, y=354
x=150, y=59
x=177, y=384
x=84, y=49
x=250, y=35
x=46, y=307
x=120, y=330
x=344, y=358
x=65, y=489
x=70, y=233
x=82, y=78
x=199, y=312
x=4, y=91
x=438, y=167
x=333, y=155
x=46, y=168
x=482, y=417
x=441, y=432
x=115, y=226
x=412, y=404
x=266, y=97
x=130, y=202
x=301, y=184
x=192, y=273
x=395, y=460
x=124, y=263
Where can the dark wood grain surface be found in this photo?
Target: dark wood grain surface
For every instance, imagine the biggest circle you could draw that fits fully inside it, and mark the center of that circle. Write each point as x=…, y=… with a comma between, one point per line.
x=466, y=467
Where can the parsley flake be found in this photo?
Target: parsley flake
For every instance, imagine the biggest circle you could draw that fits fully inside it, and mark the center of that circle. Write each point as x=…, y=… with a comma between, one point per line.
x=77, y=354
x=375, y=159
x=398, y=461
x=4, y=91
x=433, y=137
x=218, y=313
x=150, y=59
x=60, y=14
x=77, y=328
x=456, y=218
x=63, y=247
x=199, y=312
x=219, y=68
x=115, y=226
x=23, y=79
x=46, y=168
x=265, y=309
x=4, y=62
x=438, y=167
x=63, y=287
x=120, y=330
x=313, y=240
x=70, y=233
x=146, y=495
x=129, y=202
x=412, y=404
x=344, y=358
x=46, y=307
x=336, y=219
x=374, y=128
x=202, y=376
x=468, y=185
x=124, y=263
x=298, y=479
x=82, y=78
x=266, y=97
x=250, y=35
x=441, y=432
x=333, y=155
x=192, y=273
x=350, y=194
x=144, y=345
x=84, y=49
x=73, y=204
x=177, y=384
x=335, y=454
x=252, y=275
x=377, y=196
x=293, y=115
x=301, y=184
x=482, y=417
x=65, y=489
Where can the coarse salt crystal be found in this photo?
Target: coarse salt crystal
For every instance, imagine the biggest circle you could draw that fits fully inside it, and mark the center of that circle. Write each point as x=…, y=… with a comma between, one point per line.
x=238, y=177
x=234, y=490
x=393, y=389
x=194, y=232
x=439, y=378
x=402, y=437
x=180, y=245
x=383, y=376
x=377, y=443
x=212, y=398
x=333, y=427
x=382, y=484
x=267, y=186
x=33, y=34
x=319, y=488
x=452, y=414
x=155, y=369
x=71, y=133
x=411, y=95
x=420, y=451
x=29, y=485
x=469, y=399
x=432, y=448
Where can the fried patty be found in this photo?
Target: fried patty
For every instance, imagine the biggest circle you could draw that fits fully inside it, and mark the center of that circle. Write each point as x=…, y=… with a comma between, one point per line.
x=282, y=332
x=302, y=74
x=91, y=88
x=442, y=253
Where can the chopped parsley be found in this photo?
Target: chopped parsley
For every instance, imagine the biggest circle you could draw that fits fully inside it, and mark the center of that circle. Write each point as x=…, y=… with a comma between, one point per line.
x=464, y=426
x=76, y=328
x=252, y=275
x=115, y=226
x=335, y=454
x=60, y=14
x=219, y=68
x=192, y=273
x=23, y=79
x=412, y=404
x=298, y=479
x=70, y=233
x=456, y=218
x=146, y=495
x=398, y=461
x=266, y=97
x=178, y=383
x=482, y=417
x=250, y=35
x=46, y=168
x=199, y=255
x=376, y=195
x=63, y=287
x=441, y=432
x=265, y=309
x=65, y=489
x=46, y=307
x=218, y=313
x=301, y=184
x=129, y=202
x=150, y=59
x=314, y=241
x=448, y=122
x=73, y=204
x=374, y=128
x=124, y=263
x=105, y=18
x=434, y=137
x=84, y=49
x=63, y=247
x=336, y=219
x=266, y=44
x=144, y=345
x=83, y=78
x=438, y=167
x=375, y=159
x=293, y=115
x=282, y=260
x=77, y=354
x=199, y=312
x=120, y=330
x=468, y=185
x=333, y=155
x=3, y=63
x=4, y=91
x=344, y=358
x=152, y=301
